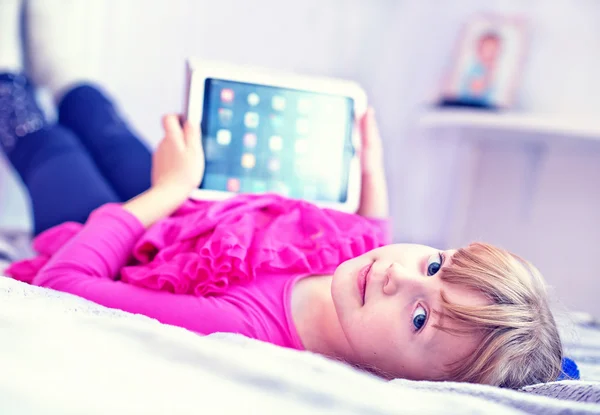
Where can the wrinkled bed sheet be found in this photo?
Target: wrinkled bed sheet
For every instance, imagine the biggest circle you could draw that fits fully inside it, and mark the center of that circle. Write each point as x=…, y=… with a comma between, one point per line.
x=63, y=355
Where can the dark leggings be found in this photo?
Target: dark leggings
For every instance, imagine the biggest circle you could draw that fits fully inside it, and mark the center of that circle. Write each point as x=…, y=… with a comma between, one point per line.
x=89, y=158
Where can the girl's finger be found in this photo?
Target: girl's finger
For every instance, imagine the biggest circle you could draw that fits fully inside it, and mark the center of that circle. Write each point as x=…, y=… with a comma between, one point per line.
x=172, y=127
x=192, y=135
x=365, y=123
x=372, y=129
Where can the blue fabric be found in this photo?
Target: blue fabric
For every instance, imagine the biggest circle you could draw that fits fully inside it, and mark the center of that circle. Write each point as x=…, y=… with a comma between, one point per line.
x=86, y=160
x=570, y=371
x=19, y=113
x=122, y=158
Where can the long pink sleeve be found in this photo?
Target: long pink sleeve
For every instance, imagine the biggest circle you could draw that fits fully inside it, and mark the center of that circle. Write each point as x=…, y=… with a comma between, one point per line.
x=88, y=263
x=100, y=249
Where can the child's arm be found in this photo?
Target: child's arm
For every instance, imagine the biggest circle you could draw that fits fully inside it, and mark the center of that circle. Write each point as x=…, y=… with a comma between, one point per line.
x=374, y=196
x=177, y=169
x=374, y=193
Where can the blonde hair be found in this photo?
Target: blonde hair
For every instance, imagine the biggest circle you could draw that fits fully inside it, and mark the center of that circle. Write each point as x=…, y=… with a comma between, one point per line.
x=520, y=342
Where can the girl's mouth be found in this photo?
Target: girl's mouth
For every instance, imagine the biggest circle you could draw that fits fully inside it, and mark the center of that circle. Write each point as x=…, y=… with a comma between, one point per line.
x=363, y=281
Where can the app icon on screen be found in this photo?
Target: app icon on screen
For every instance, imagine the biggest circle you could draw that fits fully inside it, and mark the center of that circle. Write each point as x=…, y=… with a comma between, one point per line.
x=301, y=146
x=253, y=99
x=227, y=95
x=259, y=186
x=248, y=161
x=233, y=185
x=276, y=121
x=245, y=185
x=225, y=116
x=278, y=103
x=250, y=140
x=304, y=106
x=281, y=188
x=224, y=137
x=214, y=181
x=251, y=120
x=275, y=143
x=302, y=126
x=274, y=165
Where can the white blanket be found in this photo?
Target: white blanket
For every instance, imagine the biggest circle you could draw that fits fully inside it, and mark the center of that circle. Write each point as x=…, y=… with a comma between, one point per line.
x=63, y=355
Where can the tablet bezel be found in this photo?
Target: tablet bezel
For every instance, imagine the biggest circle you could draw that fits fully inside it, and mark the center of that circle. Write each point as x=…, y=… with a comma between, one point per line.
x=200, y=70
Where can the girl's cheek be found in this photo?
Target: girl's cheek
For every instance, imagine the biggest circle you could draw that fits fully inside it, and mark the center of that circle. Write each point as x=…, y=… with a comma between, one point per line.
x=379, y=326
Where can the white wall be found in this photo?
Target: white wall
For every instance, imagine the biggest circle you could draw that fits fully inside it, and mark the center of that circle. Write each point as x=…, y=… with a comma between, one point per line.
x=555, y=224
x=396, y=49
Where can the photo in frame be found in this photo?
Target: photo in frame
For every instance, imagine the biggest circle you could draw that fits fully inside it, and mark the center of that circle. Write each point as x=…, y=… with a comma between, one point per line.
x=487, y=64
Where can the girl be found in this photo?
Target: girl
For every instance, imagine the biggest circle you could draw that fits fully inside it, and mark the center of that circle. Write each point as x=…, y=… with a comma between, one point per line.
x=273, y=269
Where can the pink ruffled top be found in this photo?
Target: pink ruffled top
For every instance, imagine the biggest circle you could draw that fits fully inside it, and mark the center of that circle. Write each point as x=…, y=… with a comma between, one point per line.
x=214, y=254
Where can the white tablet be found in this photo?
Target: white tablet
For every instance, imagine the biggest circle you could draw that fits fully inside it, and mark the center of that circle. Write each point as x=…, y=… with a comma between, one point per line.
x=265, y=131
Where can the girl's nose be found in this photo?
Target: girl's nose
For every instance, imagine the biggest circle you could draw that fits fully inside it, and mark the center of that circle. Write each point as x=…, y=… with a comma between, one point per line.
x=399, y=278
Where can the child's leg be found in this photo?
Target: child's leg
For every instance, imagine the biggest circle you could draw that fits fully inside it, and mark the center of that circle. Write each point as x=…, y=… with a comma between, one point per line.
x=63, y=182
x=121, y=157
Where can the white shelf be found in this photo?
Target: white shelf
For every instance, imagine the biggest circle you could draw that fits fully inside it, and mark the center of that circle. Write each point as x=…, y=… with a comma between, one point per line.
x=511, y=124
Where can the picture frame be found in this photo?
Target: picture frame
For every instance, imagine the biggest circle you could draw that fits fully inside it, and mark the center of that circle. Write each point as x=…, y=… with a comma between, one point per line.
x=487, y=63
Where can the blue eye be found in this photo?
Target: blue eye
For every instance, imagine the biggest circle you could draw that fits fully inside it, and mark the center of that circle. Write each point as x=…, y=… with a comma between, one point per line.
x=419, y=318
x=434, y=264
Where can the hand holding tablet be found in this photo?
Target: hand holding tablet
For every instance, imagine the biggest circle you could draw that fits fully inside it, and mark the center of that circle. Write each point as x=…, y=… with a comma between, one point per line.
x=264, y=131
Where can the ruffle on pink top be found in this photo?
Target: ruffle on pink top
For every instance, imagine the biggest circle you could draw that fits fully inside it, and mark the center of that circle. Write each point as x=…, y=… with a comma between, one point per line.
x=205, y=247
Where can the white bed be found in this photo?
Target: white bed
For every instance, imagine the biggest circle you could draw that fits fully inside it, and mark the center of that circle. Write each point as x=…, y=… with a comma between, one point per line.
x=63, y=355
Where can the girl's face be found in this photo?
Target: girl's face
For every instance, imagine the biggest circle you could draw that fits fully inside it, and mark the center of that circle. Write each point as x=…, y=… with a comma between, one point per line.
x=385, y=300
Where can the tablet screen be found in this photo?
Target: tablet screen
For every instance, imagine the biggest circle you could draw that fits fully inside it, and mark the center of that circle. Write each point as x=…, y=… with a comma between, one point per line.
x=261, y=138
